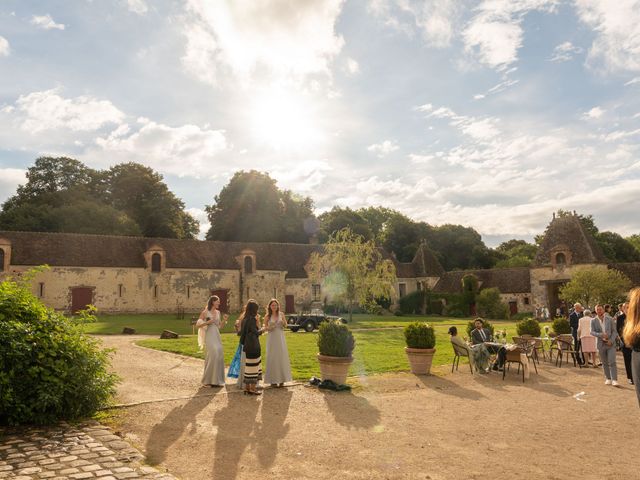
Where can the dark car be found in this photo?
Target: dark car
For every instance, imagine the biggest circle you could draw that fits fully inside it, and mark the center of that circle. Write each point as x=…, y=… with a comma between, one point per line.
x=309, y=321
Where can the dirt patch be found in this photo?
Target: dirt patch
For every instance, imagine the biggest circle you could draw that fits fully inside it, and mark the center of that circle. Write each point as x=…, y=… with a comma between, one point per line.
x=446, y=426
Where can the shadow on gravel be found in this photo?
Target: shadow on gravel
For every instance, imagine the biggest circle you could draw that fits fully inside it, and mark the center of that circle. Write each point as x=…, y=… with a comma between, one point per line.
x=442, y=385
x=165, y=433
x=273, y=428
x=351, y=410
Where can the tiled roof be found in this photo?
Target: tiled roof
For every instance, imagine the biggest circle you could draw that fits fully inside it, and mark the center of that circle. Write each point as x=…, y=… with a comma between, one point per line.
x=568, y=231
x=425, y=263
x=507, y=280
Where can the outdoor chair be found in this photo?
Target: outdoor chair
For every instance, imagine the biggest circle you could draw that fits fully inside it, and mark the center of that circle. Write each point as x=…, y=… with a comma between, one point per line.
x=538, y=348
x=460, y=352
x=514, y=356
x=529, y=347
x=565, y=348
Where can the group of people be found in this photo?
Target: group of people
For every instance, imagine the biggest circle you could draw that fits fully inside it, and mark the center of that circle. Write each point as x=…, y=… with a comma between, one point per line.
x=593, y=333
x=249, y=327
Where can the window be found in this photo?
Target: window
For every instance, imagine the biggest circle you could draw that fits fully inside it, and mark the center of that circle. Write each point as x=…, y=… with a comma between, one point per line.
x=120, y=290
x=188, y=291
x=315, y=291
x=248, y=296
x=402, y=288
x=155, y=291
x=156, y=262
x=560, y=259
x=526, y=300
x=1, y=260
x=248, y=264
x=41, y=290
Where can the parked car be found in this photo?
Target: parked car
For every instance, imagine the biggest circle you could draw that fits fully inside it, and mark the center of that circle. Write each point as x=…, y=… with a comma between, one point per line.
x=309, y=321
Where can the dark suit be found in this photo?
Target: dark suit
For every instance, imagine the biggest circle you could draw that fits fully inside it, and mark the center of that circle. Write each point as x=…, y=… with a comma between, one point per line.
x=574, y=319
x=477, y=337
x=626, y=351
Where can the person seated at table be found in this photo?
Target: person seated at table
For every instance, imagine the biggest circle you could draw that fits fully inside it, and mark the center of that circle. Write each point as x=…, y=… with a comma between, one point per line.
x=478, y=354
x=481, y=335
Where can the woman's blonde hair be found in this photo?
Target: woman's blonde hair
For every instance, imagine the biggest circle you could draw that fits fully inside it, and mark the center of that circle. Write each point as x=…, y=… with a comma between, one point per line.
x=631, y=332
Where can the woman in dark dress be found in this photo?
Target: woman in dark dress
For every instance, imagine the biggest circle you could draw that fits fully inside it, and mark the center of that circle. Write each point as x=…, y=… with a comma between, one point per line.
x=249, y=338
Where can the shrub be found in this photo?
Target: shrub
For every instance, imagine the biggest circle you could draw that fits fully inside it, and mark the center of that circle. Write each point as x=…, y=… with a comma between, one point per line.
x=435, y=307
x=490, y=304
x=471, y=325
x=520, y=316
x=49, y=369
x=561, y=325
x=528, y=326
x=413, y=303
x=419, y=335
x=335, y=339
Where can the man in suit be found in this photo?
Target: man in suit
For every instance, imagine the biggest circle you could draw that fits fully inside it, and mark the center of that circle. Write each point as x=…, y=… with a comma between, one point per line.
x=574, y=320
x=620, y=318
x=482, y=335
x=604, y=329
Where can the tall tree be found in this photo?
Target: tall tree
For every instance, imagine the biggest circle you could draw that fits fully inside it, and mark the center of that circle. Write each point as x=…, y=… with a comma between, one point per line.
x=252, y=208
x=595, y=285
x=338, y=218
x=616, y=248
x=515, y=253
x=402, y=236
x=459, y=248
x=635, y=241
x=352, y=268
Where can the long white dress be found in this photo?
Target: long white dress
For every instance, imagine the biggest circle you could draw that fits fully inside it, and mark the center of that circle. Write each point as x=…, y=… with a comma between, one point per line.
x=278, y=365
x=214, y=356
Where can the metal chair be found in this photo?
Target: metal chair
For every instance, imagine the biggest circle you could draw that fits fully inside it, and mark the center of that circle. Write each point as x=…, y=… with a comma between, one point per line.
x=460, y=352
x=565, y=348
x=514, y=356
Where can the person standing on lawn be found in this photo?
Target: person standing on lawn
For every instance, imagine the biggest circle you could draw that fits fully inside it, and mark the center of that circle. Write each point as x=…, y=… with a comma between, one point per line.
x=209, y=325
x=278, y=366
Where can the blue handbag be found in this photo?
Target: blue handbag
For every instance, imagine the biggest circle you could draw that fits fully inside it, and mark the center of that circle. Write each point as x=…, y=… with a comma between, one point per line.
x=234, y=367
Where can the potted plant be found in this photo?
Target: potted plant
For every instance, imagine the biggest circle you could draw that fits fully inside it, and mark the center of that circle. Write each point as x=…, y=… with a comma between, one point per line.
x=528, y=326
x=335, y=345
x=421, y=340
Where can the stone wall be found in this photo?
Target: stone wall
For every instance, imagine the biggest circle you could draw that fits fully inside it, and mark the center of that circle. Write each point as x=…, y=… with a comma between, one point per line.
x=542, y=276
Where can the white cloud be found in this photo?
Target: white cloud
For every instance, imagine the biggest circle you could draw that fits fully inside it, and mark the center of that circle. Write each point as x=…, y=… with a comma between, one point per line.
x=288, y=41
x=47, y=110
x=383, y=149
x=10, y=178
x=46, y=22
x=352, y=67
x=495, y=34
x=184, y=150
x=138, y=6
x=564, y=52
x=304, y=177
x=594, y=113
x=617, y=28
x=633, y=81
x=5, y=50
x=202, y=217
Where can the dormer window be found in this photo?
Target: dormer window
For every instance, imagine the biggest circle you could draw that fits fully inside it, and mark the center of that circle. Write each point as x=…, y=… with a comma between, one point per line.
x=156, y=262
x=561, y=259
x=248, y=264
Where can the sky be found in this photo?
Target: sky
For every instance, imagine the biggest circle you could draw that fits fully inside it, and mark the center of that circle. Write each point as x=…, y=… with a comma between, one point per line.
x=486, y=113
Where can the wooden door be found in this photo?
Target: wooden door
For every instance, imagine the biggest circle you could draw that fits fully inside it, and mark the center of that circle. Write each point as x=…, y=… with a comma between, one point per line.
x=513, y=307
x=289, y=304
x=222, y=294
x=81, y=297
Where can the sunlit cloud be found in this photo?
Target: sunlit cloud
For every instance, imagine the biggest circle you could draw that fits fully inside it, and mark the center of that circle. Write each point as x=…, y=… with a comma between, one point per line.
x=46, y=22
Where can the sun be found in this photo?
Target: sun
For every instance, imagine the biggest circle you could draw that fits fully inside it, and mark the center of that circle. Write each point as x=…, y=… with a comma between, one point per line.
x=284, y=120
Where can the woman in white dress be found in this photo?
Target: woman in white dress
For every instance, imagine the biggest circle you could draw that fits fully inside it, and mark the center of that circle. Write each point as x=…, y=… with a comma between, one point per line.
x=209, y=325
x=587, y=341
x=278, y=367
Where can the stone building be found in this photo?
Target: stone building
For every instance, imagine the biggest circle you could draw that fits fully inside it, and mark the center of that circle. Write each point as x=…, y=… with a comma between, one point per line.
x=136, y=274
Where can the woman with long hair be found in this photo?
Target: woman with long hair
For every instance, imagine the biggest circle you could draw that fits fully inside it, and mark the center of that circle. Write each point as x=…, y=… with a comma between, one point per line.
x=249, y=338
x=209, y=325
x=631, y=335
x=278, y=367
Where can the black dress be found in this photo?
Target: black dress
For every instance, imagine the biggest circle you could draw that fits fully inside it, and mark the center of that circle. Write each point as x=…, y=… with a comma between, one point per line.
x=251, y=346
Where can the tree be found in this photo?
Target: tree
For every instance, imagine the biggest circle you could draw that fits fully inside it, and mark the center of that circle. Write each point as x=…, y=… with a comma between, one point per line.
x=616, y=248
x=635, y=241
x=594, y=285
x=459, y=248
x=489, y=304
x=515, y=253
x=140, y=192
x=378, y=218
x=251, y=208
x=338, y=218
x=403, y=236
x=352, y=268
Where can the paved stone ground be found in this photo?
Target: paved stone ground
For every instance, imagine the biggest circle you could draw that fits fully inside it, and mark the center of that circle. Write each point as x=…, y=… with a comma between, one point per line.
x=85, y=451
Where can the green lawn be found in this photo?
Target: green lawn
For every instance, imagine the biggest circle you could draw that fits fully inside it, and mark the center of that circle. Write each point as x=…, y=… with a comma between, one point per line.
x=377, y=351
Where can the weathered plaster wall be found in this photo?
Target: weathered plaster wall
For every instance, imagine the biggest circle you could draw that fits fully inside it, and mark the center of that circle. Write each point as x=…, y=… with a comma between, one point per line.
x=519, y=298
x=541, y=275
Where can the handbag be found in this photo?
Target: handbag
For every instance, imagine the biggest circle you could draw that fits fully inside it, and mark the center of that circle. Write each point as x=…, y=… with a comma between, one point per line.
x=234, y=367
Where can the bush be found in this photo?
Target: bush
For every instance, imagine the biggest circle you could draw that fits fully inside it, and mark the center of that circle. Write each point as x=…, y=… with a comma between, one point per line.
x=529, y=326
x=419, y=335
x=490, y=304
x=561, y=325
x=520, y=316
x=471, y=325
x=413, y=303
x=49, y=369
x=335, y=339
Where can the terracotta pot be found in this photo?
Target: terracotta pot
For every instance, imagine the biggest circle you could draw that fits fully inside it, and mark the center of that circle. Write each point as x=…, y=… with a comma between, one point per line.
x=420, y=359
x=334, y=368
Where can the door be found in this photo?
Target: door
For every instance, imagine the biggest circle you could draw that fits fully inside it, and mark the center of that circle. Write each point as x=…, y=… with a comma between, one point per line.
x=513, y=307
x=222, y=295
x=81, y=297
x=289, y=304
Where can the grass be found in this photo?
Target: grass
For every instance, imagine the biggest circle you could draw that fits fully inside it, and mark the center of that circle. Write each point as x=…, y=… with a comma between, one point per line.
x=377, y=351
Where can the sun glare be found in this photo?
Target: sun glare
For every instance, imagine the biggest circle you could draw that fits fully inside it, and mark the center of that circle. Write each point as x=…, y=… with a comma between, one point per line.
x=284, y=121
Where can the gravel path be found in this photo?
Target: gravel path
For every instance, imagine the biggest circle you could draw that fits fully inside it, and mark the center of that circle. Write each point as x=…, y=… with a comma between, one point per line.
x=396, y=426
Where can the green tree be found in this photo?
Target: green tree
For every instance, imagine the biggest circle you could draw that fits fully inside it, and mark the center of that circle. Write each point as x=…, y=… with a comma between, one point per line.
x=351, y=268
x=251, y=208
x=378, y=218
x=338, y=218
x=490, y=305
x=635, y=241
x=594, y=285
x=616, y=248
x=459, y=248
x=515, y=253
x=403, y=236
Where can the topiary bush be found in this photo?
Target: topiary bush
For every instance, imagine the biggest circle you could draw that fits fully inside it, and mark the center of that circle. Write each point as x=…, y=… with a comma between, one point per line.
x=335, y=340
x=49, y=369
x=528, y=326
x=561, y=326
x=471, y=325
x=420, y=335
